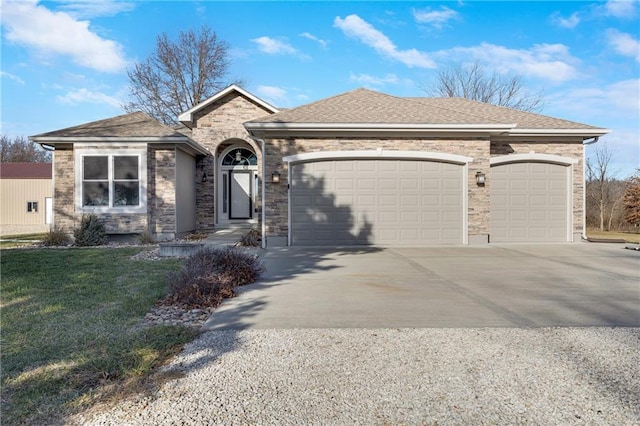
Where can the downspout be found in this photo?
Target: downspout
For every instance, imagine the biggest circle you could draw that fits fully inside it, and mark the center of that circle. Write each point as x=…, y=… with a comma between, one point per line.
x=263, y=227
x=584, y=185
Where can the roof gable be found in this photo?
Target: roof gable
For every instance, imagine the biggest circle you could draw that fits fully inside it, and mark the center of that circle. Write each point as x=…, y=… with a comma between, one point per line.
x=187, y=117
x=25, y=171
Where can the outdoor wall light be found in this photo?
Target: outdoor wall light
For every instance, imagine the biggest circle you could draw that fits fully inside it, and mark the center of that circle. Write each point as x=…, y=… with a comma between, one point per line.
x=275, y=177
x=480, y=178
x=204, y=176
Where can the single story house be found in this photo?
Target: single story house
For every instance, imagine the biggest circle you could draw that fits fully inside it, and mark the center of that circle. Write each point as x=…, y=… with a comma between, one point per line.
x=26, y=206
x=358, y=168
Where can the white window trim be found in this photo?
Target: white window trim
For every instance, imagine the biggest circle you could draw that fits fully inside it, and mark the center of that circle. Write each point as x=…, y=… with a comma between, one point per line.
x=142, y=174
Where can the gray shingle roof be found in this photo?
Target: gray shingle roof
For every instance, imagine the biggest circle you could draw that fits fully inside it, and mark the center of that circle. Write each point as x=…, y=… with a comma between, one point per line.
x=523, y=119
x=133, y=125
x=367, y=106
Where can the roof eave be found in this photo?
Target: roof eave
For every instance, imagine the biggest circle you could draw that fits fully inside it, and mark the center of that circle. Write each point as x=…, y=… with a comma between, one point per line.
x=270, y=128
x=193, y=146
x=584, y=133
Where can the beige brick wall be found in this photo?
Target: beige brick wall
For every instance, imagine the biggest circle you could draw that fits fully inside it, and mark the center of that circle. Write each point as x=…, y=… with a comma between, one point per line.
x=569, y=148
x=217, y=127
x=65, y=215
x=276, y=194
x=161, y=196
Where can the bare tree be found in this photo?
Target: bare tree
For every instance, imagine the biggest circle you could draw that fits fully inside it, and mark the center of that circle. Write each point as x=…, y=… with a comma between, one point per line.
x=178, y=75
x=476, y=83
x=631, y=200
x=601, y=191
x=21, y=150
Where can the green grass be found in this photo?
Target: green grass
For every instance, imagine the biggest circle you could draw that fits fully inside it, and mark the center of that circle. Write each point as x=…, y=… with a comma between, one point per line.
x=69, y=332
x=629, y=237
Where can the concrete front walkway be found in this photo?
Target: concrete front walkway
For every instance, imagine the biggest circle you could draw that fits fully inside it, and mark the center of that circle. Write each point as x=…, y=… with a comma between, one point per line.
x=464, y=286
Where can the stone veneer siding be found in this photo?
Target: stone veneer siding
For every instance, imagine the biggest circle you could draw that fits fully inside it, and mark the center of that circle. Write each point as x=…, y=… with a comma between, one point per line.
x=216, y=127
x=64, y=204
x=277, y=197
x=572, y=149
x=161, y=195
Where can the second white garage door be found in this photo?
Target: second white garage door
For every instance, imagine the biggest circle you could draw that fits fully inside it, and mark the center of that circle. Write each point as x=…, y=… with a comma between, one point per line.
x=529, y=202
x=380, y=202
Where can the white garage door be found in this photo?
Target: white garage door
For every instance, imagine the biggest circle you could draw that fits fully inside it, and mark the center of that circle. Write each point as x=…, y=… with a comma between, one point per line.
x=529, y=202
x=381, y=202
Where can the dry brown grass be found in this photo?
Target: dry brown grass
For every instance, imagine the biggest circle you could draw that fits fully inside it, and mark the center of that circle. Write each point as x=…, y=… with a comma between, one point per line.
x=629, y=237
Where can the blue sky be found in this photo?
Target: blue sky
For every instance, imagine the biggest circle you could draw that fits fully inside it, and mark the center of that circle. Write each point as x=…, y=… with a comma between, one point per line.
x=64, y=63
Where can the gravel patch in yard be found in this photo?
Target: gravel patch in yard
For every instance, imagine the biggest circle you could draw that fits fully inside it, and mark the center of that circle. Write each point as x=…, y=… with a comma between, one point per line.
x=397, y=376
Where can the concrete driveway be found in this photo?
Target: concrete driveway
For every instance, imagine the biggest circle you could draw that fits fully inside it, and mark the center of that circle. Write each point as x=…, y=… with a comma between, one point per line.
x=539, y=285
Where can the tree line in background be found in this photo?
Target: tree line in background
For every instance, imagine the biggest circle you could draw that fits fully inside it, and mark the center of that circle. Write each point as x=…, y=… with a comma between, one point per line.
x=21, y=150
x=612, y=204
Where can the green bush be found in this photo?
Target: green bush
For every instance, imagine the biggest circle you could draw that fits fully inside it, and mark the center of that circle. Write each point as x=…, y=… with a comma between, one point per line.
x=210, y=275
x=90, y=233
x=56, y=237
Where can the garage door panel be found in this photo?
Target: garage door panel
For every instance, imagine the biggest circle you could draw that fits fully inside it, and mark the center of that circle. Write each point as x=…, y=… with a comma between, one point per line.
x=387, y=202
x=529, y=202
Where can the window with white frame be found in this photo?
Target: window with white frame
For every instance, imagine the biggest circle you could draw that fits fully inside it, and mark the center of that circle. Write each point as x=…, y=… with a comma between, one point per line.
x=32, y=207
x=108, y=181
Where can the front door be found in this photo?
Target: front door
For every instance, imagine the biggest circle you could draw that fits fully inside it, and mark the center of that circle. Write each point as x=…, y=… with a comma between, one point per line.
x=240, y=194
x=237, y=186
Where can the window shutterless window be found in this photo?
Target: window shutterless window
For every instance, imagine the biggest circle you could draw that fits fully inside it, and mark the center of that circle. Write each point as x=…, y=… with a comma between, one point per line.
x=110, y=178
x=110, y=181
x=32, y=207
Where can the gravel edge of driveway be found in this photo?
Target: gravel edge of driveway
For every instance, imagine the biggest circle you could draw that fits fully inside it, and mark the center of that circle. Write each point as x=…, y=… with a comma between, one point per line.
x=397, y=376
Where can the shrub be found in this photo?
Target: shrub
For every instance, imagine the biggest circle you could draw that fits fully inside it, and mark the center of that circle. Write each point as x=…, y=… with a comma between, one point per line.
x=196, y=236
x=210, y=275
x=146, y=238
x=91, y=232
x=251, y=239
x=56, y=237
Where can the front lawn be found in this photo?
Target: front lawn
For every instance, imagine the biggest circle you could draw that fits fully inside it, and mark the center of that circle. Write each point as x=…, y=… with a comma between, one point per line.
x=70, y=328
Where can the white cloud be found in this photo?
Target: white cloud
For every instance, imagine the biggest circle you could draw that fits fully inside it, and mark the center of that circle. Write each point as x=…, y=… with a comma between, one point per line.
x=83, y=95
x=355, y=27
x=619, y=100
x=321, y=42
x=620, y=8
x=624, y=44
x=370, y=80
x=274, y=47
x=551, y=62
x=271, y=93
x=570, y=22
x=57, y=33
x=436, y=18
x=12, y=77
x=92, y=8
